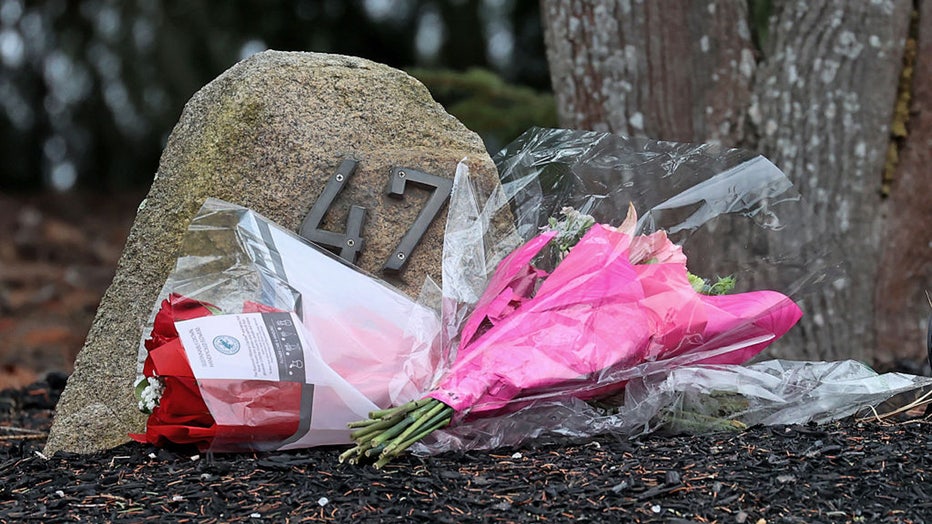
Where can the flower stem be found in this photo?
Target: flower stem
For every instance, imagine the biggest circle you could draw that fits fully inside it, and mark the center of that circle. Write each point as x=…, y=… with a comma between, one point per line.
x=388, y=432
x=421, y=422
x=404, y=408
x=438, y=422
x=375, y=427
x=405, y=425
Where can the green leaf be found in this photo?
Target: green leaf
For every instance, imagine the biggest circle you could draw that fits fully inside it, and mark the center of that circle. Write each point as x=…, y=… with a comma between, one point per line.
x=697, y=282
x=722, y=286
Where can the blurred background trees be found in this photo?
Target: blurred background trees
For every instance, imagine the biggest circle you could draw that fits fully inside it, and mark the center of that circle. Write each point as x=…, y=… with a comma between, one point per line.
x=90, y=90
x=837, y=94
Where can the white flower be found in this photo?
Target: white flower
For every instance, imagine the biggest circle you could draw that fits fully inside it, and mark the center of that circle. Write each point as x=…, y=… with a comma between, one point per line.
x=149, y=390
x=569, y=230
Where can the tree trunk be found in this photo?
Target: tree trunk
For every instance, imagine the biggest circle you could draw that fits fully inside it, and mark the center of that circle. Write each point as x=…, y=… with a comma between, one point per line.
x=819, y=105
x=823, y=103
x=664, y=69
x=905, y=276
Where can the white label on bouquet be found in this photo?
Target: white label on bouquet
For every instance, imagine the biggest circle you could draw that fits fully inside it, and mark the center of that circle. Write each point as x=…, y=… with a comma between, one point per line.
x=249, y=346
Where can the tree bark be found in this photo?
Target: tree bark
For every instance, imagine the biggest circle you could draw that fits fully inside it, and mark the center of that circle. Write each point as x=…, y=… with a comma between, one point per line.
x=818, y=104
x=822, y=105
x=660, y=68
x=905, y=276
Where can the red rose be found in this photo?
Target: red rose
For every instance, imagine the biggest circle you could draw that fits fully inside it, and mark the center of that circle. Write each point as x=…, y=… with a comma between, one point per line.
x=182, y=416
x=268, y=412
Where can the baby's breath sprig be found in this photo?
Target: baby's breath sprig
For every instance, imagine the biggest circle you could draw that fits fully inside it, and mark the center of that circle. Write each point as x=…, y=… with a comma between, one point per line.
x=570, y=229
x=149, y=391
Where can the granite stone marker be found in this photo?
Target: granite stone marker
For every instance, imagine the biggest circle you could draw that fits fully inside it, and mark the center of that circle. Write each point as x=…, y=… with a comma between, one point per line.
x=269, y=134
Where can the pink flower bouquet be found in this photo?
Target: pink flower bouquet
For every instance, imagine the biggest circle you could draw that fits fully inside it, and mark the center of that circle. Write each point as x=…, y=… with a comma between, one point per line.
x=615, y=300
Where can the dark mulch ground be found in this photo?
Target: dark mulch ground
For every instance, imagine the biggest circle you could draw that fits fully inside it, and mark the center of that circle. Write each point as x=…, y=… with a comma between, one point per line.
x=845, y=472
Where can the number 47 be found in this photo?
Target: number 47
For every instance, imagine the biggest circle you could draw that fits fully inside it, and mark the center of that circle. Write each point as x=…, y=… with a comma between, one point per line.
x=349, y=243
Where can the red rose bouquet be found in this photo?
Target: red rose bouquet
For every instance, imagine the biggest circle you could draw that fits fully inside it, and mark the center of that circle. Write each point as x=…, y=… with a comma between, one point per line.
x=174, y=396
x=250, y=351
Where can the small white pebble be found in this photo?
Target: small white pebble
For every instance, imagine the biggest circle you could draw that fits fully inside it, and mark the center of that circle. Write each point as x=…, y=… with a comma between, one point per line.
x=177, y=498
x=195, y=458
x=60, y=493
x=655, y=508
x=517, y=456
x=323, y=501
x=255, y=516
x=151, y=455
x=205, y=476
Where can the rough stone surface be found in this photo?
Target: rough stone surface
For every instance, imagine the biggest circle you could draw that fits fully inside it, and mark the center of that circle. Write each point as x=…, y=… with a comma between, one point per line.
x=267, y=134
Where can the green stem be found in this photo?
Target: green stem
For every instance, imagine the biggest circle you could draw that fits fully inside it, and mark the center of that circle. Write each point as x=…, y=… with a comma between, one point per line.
x=390, y=431
x=387, y=455
x=361, y=434
x=436, y=423
x=362, y=423
x=360, y=451
x=347, y=454
x=436, y=407
x=398, y=427
x=372, y=452
x=404, y=408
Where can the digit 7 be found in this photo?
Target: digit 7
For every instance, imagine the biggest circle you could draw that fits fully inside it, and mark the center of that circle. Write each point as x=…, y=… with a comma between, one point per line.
x=442, y=187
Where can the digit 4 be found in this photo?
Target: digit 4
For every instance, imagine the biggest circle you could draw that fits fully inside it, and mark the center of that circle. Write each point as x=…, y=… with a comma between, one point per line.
x=348, y=243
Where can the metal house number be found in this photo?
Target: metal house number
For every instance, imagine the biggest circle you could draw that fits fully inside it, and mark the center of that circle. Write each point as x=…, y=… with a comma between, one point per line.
x=349, y=243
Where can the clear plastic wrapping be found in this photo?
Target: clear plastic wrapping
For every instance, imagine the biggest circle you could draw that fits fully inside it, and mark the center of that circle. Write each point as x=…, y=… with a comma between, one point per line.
x=723, y=207
x=523, y=340
x=283, y=335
